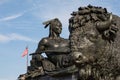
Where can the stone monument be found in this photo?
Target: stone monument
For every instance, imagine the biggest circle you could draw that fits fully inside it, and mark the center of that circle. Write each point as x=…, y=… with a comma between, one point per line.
x=92, y=51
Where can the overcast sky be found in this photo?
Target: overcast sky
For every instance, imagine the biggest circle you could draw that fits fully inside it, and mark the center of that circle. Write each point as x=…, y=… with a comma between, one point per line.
x=21, y=25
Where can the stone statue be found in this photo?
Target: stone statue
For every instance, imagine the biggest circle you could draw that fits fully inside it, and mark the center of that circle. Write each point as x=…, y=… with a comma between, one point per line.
x=55, y=47
x=90, y=53
x=92, y=35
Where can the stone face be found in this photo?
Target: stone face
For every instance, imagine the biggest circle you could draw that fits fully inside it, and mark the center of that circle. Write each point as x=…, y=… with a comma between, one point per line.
x=92, y=51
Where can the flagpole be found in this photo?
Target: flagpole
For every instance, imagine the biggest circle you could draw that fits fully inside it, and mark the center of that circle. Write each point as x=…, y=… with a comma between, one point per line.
x=25, y=53
x=27, y=61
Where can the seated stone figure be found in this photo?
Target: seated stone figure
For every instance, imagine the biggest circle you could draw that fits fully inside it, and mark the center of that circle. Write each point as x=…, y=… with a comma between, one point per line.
x=55, y=47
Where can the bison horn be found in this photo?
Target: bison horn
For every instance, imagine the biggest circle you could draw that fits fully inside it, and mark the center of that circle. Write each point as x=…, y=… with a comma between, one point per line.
x=104, y=25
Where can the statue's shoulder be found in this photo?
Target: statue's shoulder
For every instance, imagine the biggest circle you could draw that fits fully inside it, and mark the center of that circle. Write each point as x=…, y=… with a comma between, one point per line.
x=44, y=40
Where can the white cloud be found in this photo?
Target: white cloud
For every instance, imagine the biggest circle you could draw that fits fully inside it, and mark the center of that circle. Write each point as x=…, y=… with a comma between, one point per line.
x=11, y=17
x=14, y=37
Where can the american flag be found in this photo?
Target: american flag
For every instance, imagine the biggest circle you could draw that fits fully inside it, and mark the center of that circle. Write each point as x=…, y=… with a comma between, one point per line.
x=25, y=52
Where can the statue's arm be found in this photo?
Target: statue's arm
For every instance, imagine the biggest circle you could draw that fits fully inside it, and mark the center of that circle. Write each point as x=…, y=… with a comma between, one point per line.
x=41, y=46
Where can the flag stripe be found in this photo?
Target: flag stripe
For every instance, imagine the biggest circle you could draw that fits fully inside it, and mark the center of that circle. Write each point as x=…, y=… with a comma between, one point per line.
x=25, y=52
